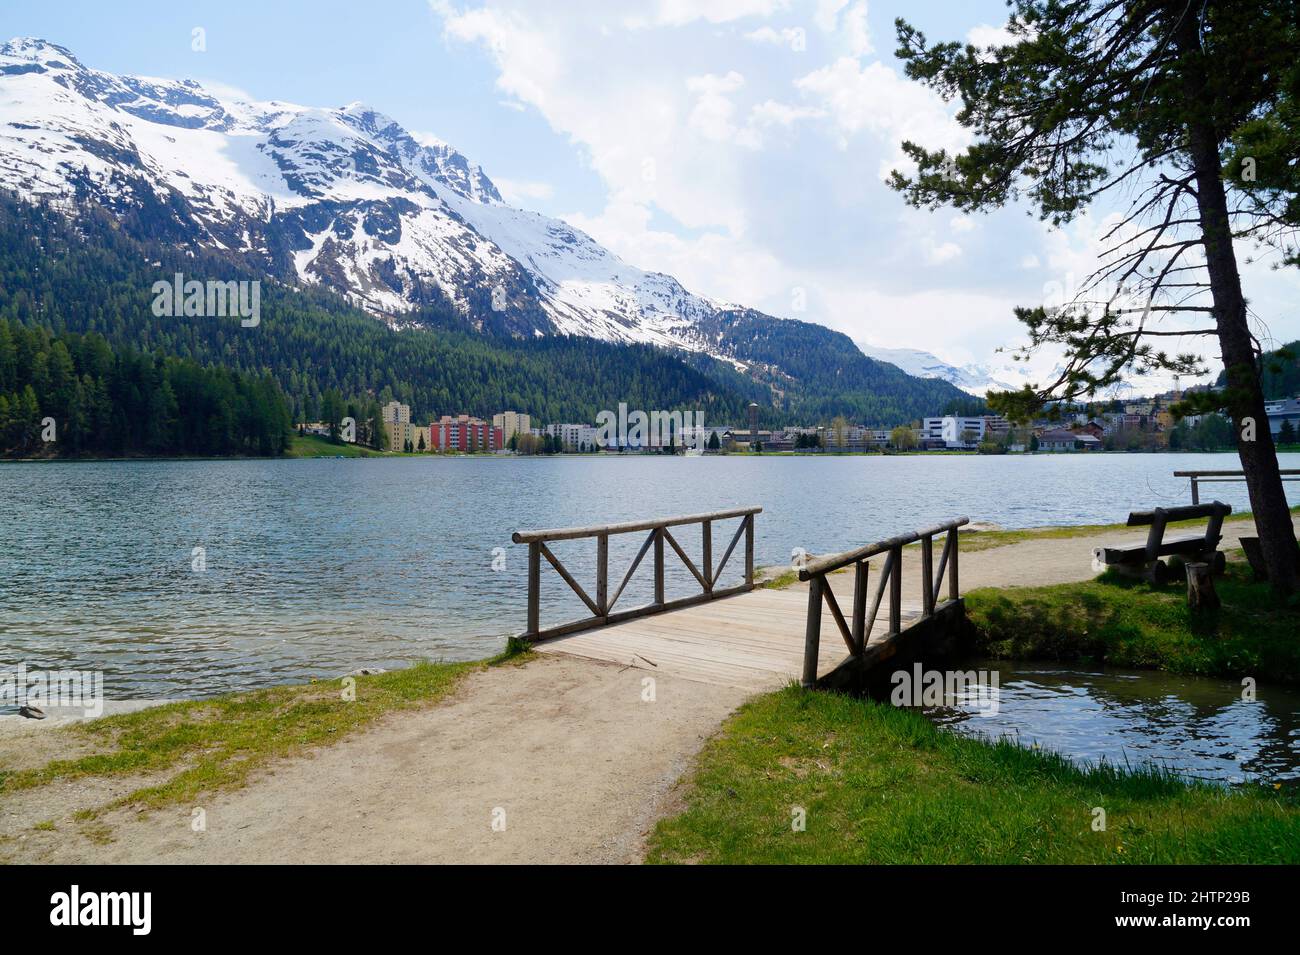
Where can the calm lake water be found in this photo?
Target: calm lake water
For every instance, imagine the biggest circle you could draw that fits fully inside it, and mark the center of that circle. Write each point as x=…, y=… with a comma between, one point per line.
x=316, y=567
x=1197, y=727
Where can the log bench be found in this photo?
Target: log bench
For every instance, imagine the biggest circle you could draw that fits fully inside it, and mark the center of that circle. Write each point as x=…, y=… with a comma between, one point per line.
x=1146, y=559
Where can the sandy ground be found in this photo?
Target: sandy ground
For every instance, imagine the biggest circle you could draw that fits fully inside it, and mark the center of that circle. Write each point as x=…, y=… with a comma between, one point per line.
x=564, y=751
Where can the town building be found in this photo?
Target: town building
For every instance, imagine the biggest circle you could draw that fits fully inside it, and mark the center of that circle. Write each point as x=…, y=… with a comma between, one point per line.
x=1287, y=409
x=510, y=423
x=952, y=431
x=573, y=437
x=397, y=422
x=996, y=426
x=1063, y=440
x=464, y=433
x=747, y=437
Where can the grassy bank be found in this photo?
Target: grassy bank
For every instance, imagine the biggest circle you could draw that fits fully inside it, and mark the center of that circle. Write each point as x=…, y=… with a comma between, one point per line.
x=1125, y=622
x=195, y=747
x=314, y=446
x=883, y=785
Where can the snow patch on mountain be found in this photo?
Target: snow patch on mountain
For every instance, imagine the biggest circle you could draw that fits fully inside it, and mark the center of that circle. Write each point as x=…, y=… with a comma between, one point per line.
x=343, y=197
x=975, y=379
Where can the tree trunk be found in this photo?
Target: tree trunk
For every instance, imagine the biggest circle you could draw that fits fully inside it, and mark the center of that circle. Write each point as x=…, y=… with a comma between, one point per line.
x=1244, y=394
x=1201, y=594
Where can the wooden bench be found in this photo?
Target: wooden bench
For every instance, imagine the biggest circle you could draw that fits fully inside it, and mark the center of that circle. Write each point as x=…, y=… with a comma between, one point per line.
x=1145, y=559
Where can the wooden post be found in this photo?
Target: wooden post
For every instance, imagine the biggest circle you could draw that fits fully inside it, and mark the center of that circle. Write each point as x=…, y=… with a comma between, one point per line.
x=927, y=575
x=953, y=592
x=1214, y=528
x=813, y=632
x=749, y=551
x=534, y=586
x=1156, y=534
x=860, y=606
x=1196, y=495
x=602, y=573
x=707, y=555
x=659, y=565
x=1201, y=594
x=896, y=591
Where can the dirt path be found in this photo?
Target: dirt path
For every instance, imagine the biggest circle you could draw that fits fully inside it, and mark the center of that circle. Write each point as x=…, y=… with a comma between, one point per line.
x=565, y=751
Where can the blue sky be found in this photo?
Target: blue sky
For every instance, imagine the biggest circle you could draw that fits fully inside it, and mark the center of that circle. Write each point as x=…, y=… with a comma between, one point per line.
x=738, y=144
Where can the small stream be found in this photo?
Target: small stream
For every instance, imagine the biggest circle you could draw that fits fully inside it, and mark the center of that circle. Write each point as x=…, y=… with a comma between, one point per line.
x=1198, y=727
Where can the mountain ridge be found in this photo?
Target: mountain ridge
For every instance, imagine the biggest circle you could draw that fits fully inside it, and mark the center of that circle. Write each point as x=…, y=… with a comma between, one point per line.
x=347, y=199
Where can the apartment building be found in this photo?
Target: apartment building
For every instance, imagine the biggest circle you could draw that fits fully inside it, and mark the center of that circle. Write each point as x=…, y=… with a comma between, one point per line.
x=464, y=433
x=397, y=422
x=1287, y=409
x=996, y=426
x=510, y=423
x=948, y=431
x=573, y=437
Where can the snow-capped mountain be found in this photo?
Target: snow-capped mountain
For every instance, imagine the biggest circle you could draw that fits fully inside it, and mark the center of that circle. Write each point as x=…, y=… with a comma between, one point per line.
x=976, y=379
x=404, y=227
x=342, y=197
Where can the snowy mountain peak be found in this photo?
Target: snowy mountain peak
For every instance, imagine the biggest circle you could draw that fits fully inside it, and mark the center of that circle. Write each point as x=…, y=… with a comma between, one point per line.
x=345, y=197
x=975, y=379
x=349, y=199
x=43, y=52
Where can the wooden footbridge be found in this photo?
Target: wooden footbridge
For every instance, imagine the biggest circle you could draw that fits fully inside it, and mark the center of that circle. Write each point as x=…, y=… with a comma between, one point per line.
x=757, y=638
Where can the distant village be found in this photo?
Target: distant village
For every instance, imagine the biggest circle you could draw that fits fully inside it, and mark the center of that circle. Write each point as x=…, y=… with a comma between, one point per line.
x=1142, y=425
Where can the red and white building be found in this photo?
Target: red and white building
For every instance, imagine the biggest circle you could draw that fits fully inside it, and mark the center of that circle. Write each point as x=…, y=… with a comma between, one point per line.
x=464, y=433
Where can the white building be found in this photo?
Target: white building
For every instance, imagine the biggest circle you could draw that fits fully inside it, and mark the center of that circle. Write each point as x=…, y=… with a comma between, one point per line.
x=951, y=430
x=574, y=437
x=1287, y=409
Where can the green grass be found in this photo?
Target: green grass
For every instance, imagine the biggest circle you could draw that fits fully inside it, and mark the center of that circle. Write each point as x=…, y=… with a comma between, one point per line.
x=314, y=446
x=781, y=579
x=884, y=785
x=1125, y=622
x=201, y=746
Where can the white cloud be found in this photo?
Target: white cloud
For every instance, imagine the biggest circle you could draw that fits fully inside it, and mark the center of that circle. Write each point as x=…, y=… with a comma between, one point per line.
x=713, y=110
x=985, y=35
x=827, y=13
x=937, y=253
x=856, y=30
x=796, y=38
x=877, y=100
x=681, y=12
x=747, y=174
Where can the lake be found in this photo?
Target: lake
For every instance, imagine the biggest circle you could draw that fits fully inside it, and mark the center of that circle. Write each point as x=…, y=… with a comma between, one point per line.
x=311, y=568
x=1196, y=727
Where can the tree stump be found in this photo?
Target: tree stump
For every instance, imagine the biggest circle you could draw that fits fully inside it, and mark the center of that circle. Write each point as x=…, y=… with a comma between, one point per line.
x=1201, y=594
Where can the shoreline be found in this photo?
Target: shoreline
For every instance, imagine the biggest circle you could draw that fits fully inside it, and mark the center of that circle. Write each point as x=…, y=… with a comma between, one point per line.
x=121, y=789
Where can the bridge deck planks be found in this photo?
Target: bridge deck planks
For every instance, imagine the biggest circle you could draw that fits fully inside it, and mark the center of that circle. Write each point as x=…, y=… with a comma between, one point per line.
x=753, y=641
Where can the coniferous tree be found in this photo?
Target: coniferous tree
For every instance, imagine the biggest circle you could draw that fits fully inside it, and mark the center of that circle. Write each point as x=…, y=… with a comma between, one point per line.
x=1174, y=104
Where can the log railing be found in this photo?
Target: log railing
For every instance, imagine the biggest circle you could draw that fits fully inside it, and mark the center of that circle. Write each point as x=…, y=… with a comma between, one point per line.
x=1225, y=477
x=856, y=631
x=602, y=604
